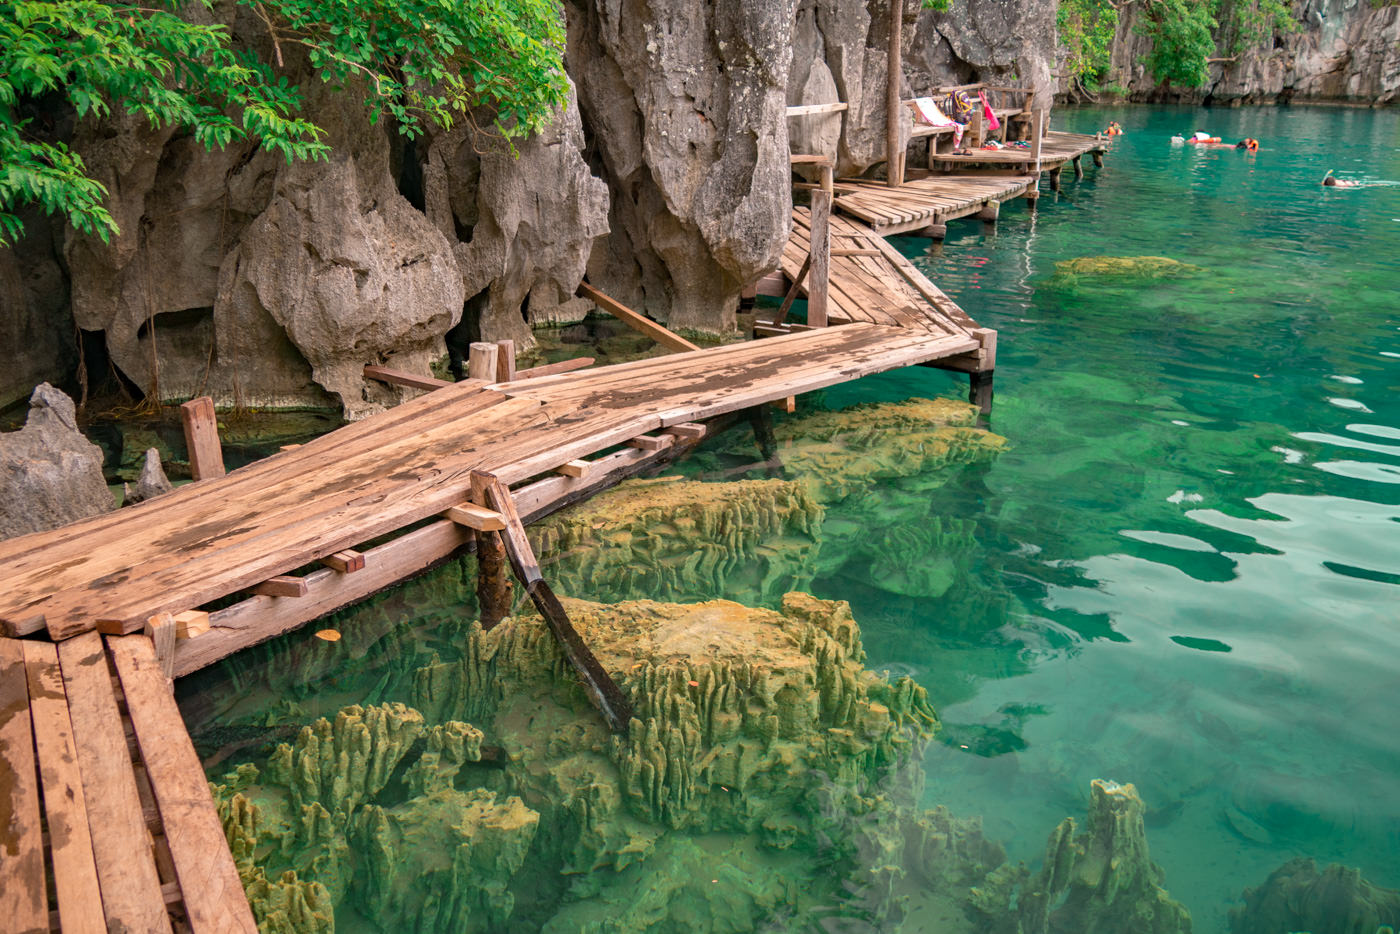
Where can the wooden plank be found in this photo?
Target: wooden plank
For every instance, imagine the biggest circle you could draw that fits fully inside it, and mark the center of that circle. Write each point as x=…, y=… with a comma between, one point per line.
x=191, y=623
x=202, y=438
x=261, y=618
x=505, y=361
x=346, y=562
x=818, y=282
x=648, y=442
x=638, y=322
x=23, y=889
x=578, y=468
x=161, y=630
x=481, y=361
x=283, y=585
x=806, y=158
x=476, y=517
x=550, y=369
x=491, y=490
x=213, y=893
x=384, y=374
x=121, y=844
x=803, y=110
x=690, y=431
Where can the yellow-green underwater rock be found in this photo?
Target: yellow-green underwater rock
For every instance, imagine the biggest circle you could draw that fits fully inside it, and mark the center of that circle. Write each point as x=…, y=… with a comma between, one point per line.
x=1125, y=267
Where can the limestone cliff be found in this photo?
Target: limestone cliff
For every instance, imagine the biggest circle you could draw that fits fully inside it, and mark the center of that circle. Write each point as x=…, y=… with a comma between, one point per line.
x=1346, y=50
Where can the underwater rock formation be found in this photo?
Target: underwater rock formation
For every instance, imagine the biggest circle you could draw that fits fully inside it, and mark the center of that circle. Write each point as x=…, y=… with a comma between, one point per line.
x=1124, y=267
x=1102, y=881
x=50, y=475
x=679, y=540
x=1299, y=897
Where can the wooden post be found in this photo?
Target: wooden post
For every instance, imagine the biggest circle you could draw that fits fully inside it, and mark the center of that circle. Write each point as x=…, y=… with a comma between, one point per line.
x=817, y=280
x=975, y=131
x=829, y=178
x=979, y=391
x=481, y=362
x=202, y=438
x=1078, y=169
x=894, y=111
x=1098, y=159
x=505, y=361
x=1055, y=178
x=493, y=588
x=1037, y=133
x=162, y=631
x=990, y=211
x=937, y=231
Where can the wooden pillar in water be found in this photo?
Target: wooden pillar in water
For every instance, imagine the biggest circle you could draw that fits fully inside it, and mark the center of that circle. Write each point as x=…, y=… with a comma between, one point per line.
x=1098, y=159
x=202, y=438
x=1078, y=169
x=819, y=274
x=1055, y=178
x=894, y=137
x=481, y=362
x=980, y=380
x=990, y=212
x=493, y=589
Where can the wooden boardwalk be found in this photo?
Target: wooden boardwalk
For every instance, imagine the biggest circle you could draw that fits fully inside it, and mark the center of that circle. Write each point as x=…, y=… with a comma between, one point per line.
x=1056, y=149
x=921, y=203
x=871, y=281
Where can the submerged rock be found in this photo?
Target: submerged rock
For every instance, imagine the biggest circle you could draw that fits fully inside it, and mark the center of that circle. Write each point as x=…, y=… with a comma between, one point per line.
x=1299, y=897
x=50, y=475
x=1124, y=267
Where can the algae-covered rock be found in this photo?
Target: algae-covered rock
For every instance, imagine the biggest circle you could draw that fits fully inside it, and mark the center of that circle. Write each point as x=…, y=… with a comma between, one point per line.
x=678, y=540
x=1125, y=267
x=1299, y=897
x=1102, y=881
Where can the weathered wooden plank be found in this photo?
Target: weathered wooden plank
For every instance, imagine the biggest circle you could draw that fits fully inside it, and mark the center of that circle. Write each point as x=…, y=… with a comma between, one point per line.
x=209, y=883
x=346, y=562
x=803, y=110
x=191, y=623
x=161, y=630
x=121, y=844
x=202, y=438
x=23, y=890
x=476, y=517
x=648, y=442
x=818, y=285
x=283, y=585
x=393, y=377
x=552, y=369
x=578, y=468
x=637, y=322
x=481, y=361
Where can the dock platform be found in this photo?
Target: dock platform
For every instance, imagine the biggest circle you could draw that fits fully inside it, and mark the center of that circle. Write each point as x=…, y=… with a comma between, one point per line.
x=921, y=203
x=1056, y=149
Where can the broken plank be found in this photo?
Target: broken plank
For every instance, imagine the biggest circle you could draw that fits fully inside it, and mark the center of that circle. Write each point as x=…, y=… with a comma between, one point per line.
x=121, y=845
x=283, y=585
x=202, y=438
x=23, y=898
x=346, y=562
x=384, y=374
x=476, y=517
x=638, y=322
x=209, y=882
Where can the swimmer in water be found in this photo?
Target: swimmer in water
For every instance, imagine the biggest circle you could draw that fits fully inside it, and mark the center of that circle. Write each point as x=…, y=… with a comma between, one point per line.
x=1331, y=181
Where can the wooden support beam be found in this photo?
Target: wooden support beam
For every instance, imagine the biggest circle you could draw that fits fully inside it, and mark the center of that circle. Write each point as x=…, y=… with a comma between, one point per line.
x=346, y=562
x=990, y=212
x=803, y=110
x=481, y=361
x=601, y=688
x=121, y=843
x=987, y=352
x=209, y=882
x=1078, y=169
x=384, y=374
x=934, y=232
x=1055, y=178
x=637, y=322
x=690, y=431
x=979, y=391
x=283, y=585
x=553, y=369
x=162, y=631
x=894, y=108
x=575, y=468
x=1098, y=159
x=191, y=623
x=202, y=438
x=477, y=517
x=23, y=886
x=778, y=330
x=648, y=443
x=793, y=289
x=493, y=586
x=787, y=404
x=505, y=361
x=818, y=283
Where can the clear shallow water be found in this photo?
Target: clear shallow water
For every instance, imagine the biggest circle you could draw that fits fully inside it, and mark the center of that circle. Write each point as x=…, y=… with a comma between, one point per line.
x=1199, y=514
x=1184, y=571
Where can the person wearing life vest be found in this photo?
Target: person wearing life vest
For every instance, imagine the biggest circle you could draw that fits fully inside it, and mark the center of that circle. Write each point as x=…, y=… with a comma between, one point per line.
x=1249, y=144
x=1114, y=129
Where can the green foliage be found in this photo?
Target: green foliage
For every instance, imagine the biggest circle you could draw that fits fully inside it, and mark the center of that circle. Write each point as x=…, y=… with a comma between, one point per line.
x=1086, y=29
x=941, y=6
x=1181, y=33
x=422, y=62
x=1248, y=23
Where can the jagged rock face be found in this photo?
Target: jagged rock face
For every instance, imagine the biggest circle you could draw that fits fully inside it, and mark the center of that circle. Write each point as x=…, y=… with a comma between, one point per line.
x=1347, y=50
x=1007, y=42
x=50, y=475
x=35, y=327
x=684, y=104
x=523, y=226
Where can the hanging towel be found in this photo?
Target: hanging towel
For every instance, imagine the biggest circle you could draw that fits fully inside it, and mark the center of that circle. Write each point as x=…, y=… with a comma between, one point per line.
x=927, y=113
x=992, y=122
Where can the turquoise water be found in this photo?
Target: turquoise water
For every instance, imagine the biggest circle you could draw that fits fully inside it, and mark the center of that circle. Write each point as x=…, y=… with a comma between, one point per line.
x=1199, y=514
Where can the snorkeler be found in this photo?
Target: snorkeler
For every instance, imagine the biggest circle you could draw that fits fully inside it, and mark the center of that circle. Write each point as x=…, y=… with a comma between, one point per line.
x=1249, y=143
x=1331, y=181
x=1114, y=129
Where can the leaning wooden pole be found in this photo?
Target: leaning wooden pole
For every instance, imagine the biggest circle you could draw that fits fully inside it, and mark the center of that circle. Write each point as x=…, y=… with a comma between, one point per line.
x=601, y=688
x=894, y=163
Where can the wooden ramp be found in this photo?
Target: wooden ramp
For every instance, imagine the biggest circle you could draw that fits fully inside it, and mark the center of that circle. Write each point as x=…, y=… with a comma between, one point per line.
x=1056, y=148
x=110, y=824
x=921, y=203
x=872, y=282
x=246, y=532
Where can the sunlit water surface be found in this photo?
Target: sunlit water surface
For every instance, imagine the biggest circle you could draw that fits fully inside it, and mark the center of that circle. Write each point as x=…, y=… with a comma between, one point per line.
x=1199, y=515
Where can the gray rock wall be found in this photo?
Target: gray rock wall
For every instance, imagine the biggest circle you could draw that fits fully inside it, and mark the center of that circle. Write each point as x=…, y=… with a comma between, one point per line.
x=1347, y=50
x=50, y=475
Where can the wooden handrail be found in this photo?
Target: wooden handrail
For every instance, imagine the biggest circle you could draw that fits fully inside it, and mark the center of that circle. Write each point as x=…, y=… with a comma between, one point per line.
x=806, y=110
